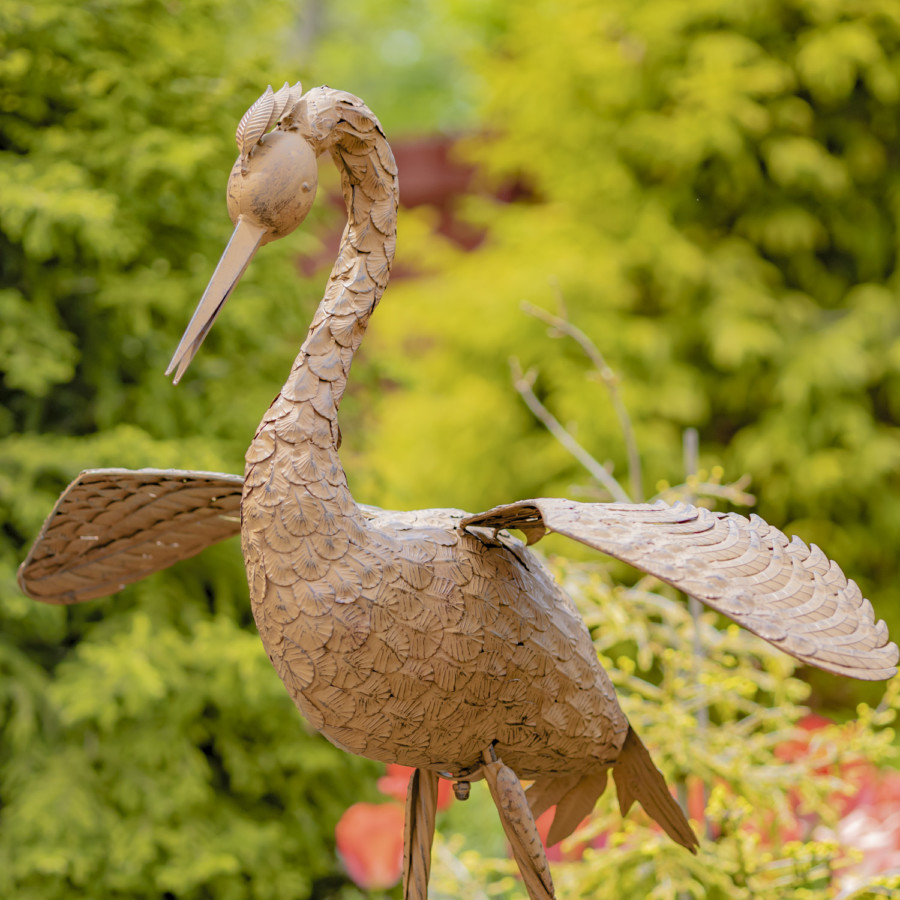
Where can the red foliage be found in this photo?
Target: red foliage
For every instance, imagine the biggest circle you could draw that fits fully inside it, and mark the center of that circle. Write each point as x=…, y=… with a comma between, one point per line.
x=870, y=822
x=370, y=841
x=868, y=806
x=869, y=811
x=370, y=836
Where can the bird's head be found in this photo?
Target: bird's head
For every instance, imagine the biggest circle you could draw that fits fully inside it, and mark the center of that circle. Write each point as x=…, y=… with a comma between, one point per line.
x=270, y=192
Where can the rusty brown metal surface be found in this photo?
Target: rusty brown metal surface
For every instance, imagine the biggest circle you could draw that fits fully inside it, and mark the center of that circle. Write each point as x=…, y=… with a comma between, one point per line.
x=789, y=594
x=418, y=834
x=112, y=527
x=427, y=638
x=518, y=824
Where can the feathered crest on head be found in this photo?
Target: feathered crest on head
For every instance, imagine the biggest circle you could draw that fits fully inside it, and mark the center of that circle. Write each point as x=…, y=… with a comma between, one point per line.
x=263, y=115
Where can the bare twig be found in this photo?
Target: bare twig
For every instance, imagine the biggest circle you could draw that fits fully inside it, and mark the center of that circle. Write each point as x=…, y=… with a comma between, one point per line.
x=523, y=383
x=563, y=326
x=691, y=450
x=690, y=443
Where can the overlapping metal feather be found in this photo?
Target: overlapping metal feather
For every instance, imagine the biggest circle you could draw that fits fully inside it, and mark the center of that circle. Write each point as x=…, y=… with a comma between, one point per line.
x=112, y=527
x=263, y=115
x=789, y=594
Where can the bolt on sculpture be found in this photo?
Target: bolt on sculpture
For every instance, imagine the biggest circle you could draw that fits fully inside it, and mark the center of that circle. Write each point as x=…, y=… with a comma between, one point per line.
x=433, y=639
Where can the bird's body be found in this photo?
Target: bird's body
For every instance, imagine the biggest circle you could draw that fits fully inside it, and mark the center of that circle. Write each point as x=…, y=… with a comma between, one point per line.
x=398, y=636
x=431, y=639
x=424, y=646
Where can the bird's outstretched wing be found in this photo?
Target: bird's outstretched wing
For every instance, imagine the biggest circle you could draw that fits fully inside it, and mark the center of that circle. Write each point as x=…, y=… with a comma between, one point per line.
x=787, y=593
x=111, y=527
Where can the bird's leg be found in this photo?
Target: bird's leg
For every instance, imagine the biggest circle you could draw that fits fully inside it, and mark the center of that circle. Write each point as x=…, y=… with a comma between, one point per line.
x=418, y=834
x=518, y=823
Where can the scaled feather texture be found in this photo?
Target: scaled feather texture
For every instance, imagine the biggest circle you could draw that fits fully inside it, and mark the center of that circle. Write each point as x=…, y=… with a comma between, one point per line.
x=432, y=639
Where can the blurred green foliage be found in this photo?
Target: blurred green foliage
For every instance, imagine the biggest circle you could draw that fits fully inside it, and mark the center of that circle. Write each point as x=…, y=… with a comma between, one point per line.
x=405, y=58
x=712, y=188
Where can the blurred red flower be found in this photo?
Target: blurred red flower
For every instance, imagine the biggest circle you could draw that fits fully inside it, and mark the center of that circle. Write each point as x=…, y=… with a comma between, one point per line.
x=370, y=836
x=370, y=841
x=799, y=747
x=869, y=811
x=396, y=780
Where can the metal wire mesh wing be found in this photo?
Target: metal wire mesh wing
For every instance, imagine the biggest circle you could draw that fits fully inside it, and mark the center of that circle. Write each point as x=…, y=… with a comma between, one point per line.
x=789, y=594
x=111, y=527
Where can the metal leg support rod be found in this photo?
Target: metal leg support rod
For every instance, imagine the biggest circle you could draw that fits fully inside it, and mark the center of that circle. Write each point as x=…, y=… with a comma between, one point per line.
x=518, y=823
x=418, y=834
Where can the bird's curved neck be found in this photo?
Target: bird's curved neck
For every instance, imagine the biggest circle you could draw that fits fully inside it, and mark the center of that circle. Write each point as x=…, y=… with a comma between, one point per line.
x=306, y=408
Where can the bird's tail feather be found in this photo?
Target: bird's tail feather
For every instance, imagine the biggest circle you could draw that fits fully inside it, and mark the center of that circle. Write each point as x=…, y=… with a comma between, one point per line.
x=637, y=778
x=574, y=797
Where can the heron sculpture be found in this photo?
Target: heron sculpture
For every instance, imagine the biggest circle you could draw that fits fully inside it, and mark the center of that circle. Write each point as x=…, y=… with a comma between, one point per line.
x=433, y=639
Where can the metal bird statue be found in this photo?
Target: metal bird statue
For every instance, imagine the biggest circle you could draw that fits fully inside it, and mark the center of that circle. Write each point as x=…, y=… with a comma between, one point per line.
x=433, y=639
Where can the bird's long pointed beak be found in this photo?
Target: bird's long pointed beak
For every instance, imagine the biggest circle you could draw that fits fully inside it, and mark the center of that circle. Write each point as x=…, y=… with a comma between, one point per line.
x=242, y=246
